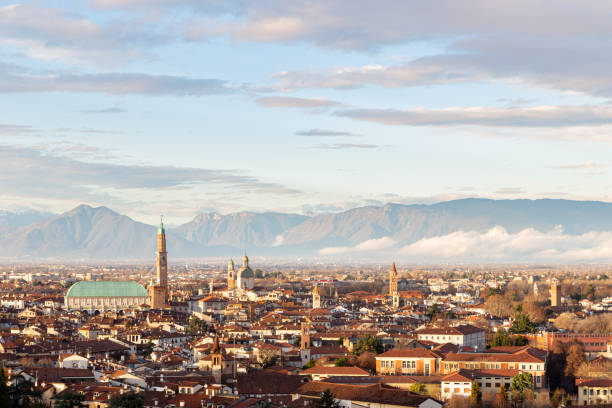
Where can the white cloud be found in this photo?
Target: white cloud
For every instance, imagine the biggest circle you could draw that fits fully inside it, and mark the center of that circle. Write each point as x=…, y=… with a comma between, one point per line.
x=580, y=166
x=19, y=79
x=324, y=132
x=345, y=146
x=536, y=116
x=528, y=245
x=366, y=246
x=294, y=102
x=278, y=240
x=55, y=34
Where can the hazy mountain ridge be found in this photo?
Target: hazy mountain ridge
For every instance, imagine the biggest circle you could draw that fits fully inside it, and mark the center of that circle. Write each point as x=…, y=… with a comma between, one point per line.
x=239, y=230
x=100, y=233
x=10, y=221
x=87, y=232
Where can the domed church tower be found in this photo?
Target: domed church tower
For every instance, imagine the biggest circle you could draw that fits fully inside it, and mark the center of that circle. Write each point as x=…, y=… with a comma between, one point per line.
x=246, y=277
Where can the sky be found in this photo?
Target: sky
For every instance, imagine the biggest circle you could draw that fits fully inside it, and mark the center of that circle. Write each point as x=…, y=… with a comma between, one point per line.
x=179, y=107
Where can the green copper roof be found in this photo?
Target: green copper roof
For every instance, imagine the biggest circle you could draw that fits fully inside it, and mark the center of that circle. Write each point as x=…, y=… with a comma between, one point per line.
x=106, y=289
x=161, y=229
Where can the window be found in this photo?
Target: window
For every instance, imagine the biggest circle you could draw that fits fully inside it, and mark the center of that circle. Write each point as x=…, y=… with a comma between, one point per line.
x=488, y=385
x=584, y=392
x=413, y=364
x=404, y=363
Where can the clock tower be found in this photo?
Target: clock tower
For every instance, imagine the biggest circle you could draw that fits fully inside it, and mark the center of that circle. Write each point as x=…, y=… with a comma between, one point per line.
x=159, y=292
x=162, y=257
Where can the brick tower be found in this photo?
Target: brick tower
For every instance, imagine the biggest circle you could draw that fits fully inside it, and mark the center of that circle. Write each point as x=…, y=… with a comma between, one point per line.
x=159, y=292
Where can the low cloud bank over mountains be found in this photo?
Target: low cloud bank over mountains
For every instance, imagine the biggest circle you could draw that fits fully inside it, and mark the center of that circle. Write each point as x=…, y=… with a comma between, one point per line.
x=468, y=230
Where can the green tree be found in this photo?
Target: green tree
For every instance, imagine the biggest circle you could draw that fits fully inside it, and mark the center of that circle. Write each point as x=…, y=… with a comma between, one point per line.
x=126, y=400
x=522, y=324
x=23, y=393
x=432, y=311
x=501, y=399
x=327, y=400
x=520, y=340
x=297, y=341
x=501, y=338
x=5, y=400
x=418, y=388
x=148, y=350
x=557, y=398
x=341, y=362
x=476, y=394
x=197, y=326
x=521, y=383
x=69, y=399
x=368, y=343
x=309, y=364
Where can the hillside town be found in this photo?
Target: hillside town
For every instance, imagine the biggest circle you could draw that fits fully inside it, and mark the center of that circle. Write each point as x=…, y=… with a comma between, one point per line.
x=241, y=338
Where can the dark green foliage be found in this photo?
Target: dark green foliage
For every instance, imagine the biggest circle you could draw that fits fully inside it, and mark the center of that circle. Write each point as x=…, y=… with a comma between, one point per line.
x=197, y=326
x=492, y=291
x=309, y=364
x=522, y=324
x=521, y=383
x=368, y=343
x=126, y=400
x=418, y=388
x=69, y=399
x=520, y=340
x=5, y=400
x=501, y=338
x=148, y=350
x=476, y=393
x=327, y=400
x=341, y=362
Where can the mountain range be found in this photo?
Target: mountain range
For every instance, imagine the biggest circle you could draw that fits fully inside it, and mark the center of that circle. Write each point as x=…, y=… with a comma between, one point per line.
x=102, y=234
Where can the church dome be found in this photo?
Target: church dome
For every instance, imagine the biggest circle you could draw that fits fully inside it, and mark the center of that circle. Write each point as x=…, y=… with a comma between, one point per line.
x=245, y=271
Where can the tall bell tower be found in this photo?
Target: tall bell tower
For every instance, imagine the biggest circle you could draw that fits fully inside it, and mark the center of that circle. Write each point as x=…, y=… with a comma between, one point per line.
x=393, y=280
x=158, y=293
x=162, y=256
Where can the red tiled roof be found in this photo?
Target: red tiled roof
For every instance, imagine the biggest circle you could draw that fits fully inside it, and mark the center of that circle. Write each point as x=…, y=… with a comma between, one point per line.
x=335, y=371
x=408, y=353
x=465, y=375
x=376, y=393
x=456, y=330
x=492, y=357
x=593, y=382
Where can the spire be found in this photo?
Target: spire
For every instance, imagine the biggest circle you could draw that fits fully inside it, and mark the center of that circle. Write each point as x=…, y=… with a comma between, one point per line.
x=393, y=267
x=216, y=348
x=161, y=225
x=245, y=260
x=315, y=291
